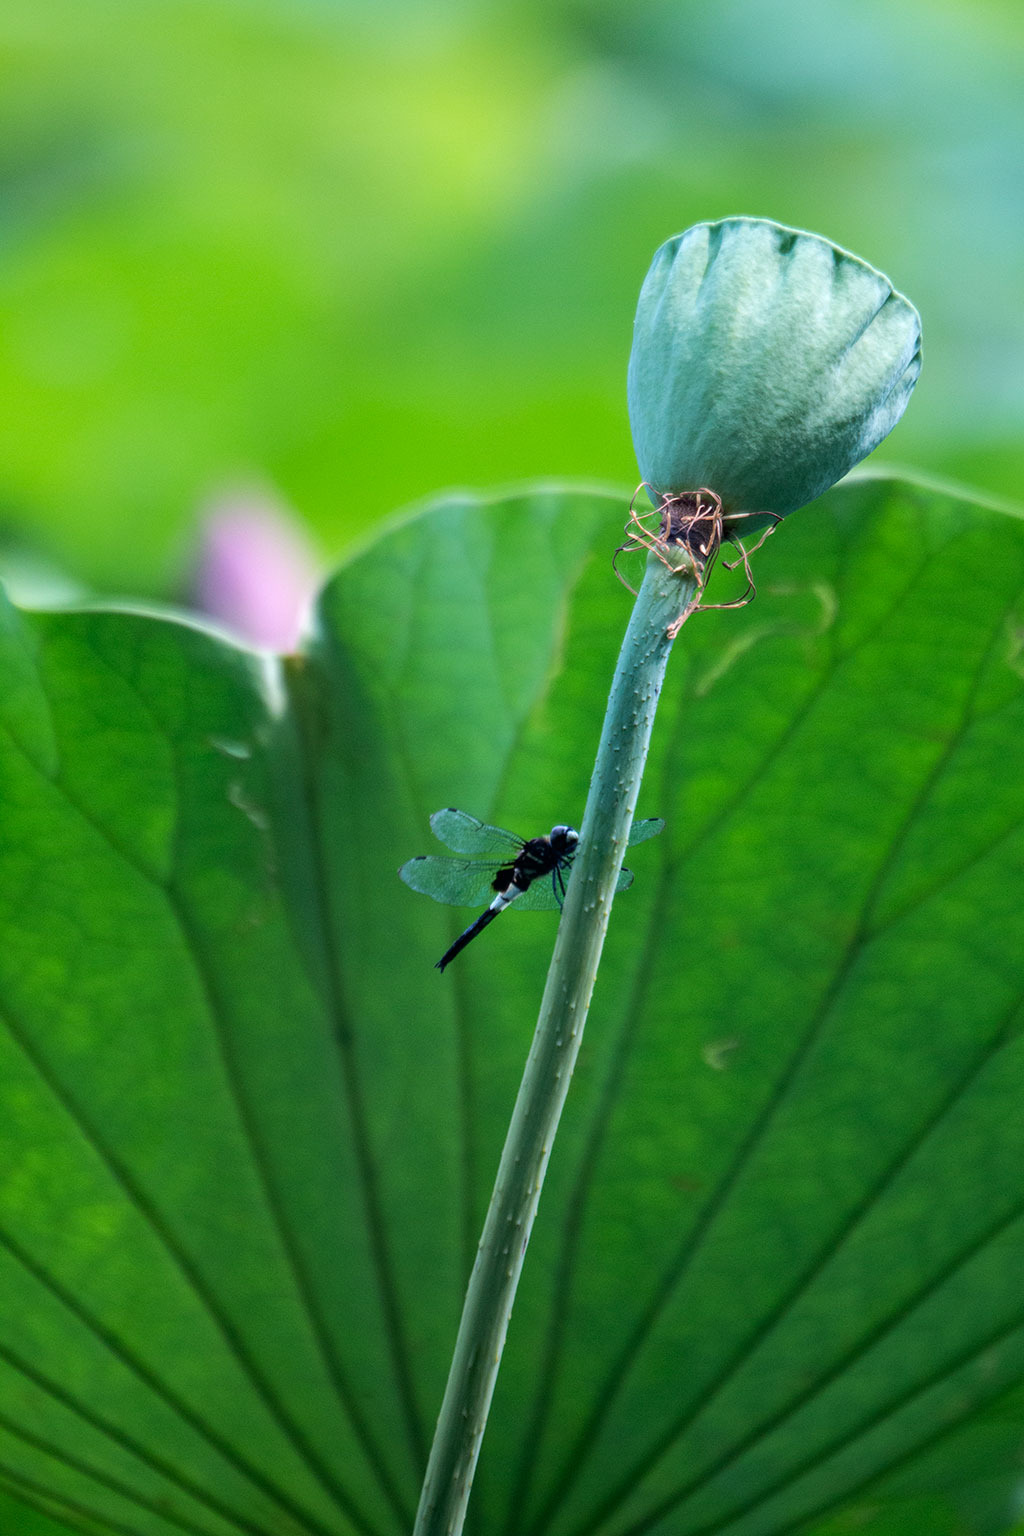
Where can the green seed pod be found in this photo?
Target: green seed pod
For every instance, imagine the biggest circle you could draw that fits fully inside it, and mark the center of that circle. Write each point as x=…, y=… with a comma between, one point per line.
x=766, y=363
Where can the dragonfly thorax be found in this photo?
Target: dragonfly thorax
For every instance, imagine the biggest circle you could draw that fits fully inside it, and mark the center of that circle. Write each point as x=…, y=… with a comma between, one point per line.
x=539, y=856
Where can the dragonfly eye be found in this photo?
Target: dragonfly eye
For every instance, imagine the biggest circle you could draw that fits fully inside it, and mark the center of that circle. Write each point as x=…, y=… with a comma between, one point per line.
x=568, y=836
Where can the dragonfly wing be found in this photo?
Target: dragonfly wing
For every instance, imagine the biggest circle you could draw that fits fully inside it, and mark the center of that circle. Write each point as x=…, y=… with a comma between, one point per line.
x=456, y=882
x=462, y=833
x=642, y=830
x=541, y=895
x=468, y=882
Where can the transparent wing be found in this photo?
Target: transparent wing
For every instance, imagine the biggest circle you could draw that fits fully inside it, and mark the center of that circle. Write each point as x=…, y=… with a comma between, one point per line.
x=547, y=893
x=462, y=833
x=456, y=882
x=468, y=882
x=642, y=830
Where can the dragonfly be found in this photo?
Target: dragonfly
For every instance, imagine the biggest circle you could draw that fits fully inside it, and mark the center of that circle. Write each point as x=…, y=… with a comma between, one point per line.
x=503, y=868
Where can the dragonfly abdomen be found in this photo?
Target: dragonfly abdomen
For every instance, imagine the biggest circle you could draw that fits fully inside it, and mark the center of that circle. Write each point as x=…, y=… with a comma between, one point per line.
x=539, y=857
x=507, y=894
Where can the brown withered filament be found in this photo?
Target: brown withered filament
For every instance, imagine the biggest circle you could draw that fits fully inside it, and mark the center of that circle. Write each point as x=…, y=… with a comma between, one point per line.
x=694, y=522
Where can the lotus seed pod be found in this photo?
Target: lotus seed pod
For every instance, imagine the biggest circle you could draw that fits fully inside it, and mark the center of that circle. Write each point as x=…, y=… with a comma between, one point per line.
x=766, y=363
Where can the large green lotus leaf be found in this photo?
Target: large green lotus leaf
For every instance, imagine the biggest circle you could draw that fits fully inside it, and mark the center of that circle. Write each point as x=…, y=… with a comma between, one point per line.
x=247, y=1133
x=30, y=1519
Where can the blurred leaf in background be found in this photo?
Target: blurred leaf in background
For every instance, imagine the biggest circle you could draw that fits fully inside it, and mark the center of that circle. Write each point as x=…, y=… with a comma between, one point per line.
x=358, y=251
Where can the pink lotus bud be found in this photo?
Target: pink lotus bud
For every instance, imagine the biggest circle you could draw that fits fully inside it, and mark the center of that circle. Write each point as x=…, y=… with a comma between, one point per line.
x=256, y=573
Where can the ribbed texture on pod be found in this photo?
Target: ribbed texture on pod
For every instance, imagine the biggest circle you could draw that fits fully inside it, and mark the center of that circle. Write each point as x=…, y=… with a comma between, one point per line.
x=766, y=363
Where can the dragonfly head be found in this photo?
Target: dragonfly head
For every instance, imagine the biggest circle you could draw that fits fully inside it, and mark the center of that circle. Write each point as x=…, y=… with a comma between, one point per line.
x=564, y=839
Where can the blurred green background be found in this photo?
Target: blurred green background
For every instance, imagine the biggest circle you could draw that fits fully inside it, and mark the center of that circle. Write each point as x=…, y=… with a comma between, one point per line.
x=359, y=250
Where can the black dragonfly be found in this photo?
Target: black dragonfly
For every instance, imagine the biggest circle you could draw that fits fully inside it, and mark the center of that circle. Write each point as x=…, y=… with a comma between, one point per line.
x=532, y=872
